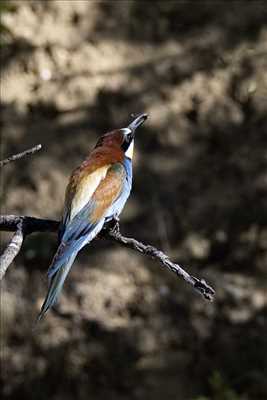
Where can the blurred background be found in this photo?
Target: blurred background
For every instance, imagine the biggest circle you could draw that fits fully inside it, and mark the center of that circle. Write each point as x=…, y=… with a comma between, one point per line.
x=126, y=328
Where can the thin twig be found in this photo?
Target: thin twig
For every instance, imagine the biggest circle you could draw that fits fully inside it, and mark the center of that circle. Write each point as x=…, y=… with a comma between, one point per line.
x=20, y=155
x=110, y=232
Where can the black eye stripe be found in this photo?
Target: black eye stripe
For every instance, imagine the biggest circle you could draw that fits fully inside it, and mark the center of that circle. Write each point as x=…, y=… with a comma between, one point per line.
x=127, y=141
x=125, y=145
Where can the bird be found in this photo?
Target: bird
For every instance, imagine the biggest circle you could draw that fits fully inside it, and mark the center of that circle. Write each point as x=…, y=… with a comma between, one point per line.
x=96, y=193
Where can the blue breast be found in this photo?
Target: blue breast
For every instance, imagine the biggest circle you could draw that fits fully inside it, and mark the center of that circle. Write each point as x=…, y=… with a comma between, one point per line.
x=118, y=205
x=129, y=171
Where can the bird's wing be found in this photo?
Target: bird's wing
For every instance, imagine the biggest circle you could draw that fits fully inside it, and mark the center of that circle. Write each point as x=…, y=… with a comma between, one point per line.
x=85, y=180
x=86, y=220
x=79, y=191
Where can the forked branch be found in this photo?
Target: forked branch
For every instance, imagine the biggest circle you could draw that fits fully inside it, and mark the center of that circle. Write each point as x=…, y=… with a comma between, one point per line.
x=23, y=226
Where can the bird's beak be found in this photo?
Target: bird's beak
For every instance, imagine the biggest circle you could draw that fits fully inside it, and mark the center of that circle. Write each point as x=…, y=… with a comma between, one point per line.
x=138, y=121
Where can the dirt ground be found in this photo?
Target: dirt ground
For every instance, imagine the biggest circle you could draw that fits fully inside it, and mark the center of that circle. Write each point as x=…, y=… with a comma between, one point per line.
x=125, y=327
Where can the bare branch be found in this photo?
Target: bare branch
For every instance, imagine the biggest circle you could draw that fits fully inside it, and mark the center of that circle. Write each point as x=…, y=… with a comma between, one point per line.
x=20, y=155
x=29, y=224
x=11, y=250
x=198, y=284
x=110, y=232
x=22, y=226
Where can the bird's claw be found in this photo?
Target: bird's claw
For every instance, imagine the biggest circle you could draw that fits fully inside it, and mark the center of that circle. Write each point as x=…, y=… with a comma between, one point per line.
x=113, y=224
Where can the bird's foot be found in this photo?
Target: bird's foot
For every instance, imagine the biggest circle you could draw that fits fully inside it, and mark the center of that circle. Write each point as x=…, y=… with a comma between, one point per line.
x=113, y=224
x=116, y=218
x=115, y=227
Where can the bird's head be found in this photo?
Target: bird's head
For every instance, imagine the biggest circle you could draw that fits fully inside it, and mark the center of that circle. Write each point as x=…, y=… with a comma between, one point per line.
x=123, y=138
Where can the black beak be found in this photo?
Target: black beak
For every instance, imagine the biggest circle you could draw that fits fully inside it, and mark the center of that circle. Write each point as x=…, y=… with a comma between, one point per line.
x=138, y=121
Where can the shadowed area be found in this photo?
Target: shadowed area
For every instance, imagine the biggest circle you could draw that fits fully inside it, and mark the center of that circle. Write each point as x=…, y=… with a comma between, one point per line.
x=125, y=327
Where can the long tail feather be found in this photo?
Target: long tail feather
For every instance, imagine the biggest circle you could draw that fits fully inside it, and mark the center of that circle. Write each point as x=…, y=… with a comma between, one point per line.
x=55, y=286
x=61, y=264
x=63, y=254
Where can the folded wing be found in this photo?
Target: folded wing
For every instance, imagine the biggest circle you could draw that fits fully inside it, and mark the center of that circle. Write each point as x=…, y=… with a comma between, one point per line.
x=81, y=223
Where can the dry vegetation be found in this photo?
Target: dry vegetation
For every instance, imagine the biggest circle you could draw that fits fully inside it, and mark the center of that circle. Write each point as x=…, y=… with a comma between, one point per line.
x=125, y=329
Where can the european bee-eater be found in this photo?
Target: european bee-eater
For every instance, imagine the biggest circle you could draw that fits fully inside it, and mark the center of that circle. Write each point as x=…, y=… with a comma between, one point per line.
x=97, y=192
